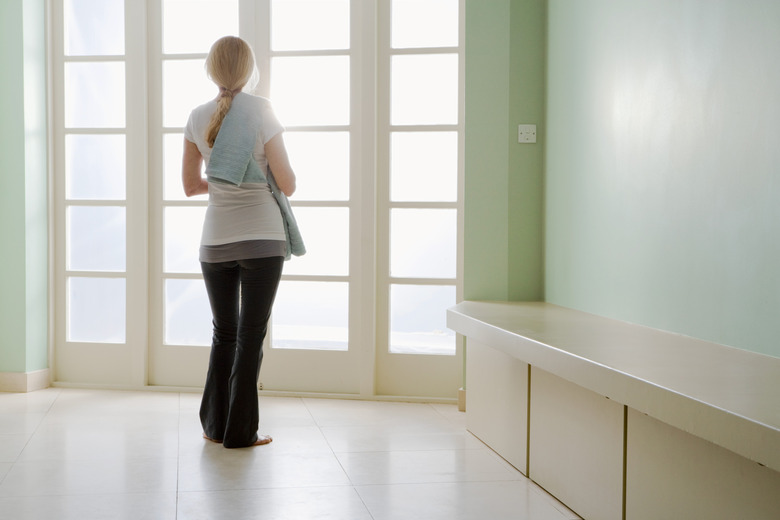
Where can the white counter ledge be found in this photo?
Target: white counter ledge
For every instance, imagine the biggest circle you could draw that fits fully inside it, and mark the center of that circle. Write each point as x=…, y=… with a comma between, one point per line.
x=727, y=396
x=622, y=421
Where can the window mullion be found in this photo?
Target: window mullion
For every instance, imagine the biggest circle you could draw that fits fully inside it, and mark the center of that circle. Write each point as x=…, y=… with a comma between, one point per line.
x=255, y=27
x=364, y=308
x=137, y=165
x=384, y=56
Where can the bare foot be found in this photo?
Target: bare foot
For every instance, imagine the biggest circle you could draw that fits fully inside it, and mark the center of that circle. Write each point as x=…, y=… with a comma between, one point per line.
x=262, y=439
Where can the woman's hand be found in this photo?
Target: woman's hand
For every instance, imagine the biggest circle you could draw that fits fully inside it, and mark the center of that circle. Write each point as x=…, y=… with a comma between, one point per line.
x=191, y=164
x=279, y=163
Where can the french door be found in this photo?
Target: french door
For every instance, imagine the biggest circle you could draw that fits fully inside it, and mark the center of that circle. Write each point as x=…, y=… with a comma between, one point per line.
x=369, y=93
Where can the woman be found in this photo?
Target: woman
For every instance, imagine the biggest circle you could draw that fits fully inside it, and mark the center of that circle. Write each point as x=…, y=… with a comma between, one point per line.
x=243, y=245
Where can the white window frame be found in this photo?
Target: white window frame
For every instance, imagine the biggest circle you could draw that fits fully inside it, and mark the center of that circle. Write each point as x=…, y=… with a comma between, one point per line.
x=128, y=365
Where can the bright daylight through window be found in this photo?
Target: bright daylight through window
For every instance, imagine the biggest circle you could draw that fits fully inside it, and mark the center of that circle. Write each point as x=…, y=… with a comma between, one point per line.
x=373, y=126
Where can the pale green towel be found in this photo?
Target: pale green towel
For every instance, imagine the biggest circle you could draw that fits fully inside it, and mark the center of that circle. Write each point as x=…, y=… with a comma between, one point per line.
x=292, y=233
x=231, y=158
x=232, y=161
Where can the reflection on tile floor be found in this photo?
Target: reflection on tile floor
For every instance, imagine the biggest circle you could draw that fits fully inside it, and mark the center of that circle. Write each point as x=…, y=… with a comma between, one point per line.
x=91, y=454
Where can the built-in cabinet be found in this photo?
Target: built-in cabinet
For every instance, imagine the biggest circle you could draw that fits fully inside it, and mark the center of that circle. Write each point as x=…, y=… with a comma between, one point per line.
x=589, y=442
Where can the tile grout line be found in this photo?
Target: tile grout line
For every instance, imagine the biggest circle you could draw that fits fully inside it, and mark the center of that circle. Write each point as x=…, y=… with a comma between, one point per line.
x=338, y=461
x=29, y=437
x=35, y=430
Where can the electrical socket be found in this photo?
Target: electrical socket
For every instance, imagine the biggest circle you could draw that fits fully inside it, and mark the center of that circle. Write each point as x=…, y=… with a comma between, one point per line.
x=526, y=133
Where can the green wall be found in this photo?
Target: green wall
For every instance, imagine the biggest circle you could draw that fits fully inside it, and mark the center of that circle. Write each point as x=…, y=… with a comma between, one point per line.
x=663, y=165
x=23, y=188
x=486, y=154
x=503, y=181
x=651, y=195
x=526, y=161
x=504, y=87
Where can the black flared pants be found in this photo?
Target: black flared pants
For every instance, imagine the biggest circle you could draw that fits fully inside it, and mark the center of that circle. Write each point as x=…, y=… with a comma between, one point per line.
x=241, y=295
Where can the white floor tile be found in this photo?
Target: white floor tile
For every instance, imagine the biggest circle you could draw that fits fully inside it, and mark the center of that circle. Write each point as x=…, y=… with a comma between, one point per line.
x=398, y=438
x=333, y=412
x=294, y=440
x=463, y=501
x=451, y=413
x=30, y=402
x=11, y=446
x=83, y=477
x=568, y=513
x=258, y=467
x=90, y=454
x=123, y=506
x=98, y=402
x=5, y=467
x=404, y=467
x=190, y=402
x=108, y=436
x=20, y=423
x=298, y=440
x=321, y=503
x=284, y=411
x=111, y=444
x=131, y=421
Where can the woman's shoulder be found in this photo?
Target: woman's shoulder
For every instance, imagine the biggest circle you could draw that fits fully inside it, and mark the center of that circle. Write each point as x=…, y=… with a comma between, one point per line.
x=206, y=108
x=200, y=117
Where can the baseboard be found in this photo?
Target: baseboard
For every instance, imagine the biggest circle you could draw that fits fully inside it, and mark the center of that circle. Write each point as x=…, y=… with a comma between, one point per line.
x=22, y=382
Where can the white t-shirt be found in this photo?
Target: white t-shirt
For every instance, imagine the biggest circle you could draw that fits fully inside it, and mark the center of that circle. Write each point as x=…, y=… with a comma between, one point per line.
x=238, y=213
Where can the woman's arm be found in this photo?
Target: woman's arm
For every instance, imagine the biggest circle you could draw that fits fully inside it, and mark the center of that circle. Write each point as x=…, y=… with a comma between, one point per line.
x=191, y=164
x=276, y=154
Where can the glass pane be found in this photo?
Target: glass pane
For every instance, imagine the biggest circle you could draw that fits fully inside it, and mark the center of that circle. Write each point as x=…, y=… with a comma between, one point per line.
x=321, y=164
x=185, y=86
x=418, y=319
x=311, y=90
x=192, y=26
x=424, y=89
x=94, y=27
x=96, y=310
x=95, y=238
x=423, y=243
x=425, y=23
x=182, y=230
x=309, y=24
x=311, y=315
x=424, y=166
x=172, y=151
x=95, y=167
x=173, y=145
x=95, y=95
x=187, y=313
x=325, y=232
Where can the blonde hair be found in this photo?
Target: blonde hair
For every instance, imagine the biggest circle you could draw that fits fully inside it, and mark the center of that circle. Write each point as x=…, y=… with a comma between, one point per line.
x=231, y=66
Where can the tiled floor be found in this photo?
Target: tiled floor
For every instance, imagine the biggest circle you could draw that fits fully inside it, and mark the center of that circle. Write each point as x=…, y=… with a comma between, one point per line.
x=88, y=454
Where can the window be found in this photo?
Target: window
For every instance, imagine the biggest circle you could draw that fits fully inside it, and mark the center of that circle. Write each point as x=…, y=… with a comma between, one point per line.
x=374, y=130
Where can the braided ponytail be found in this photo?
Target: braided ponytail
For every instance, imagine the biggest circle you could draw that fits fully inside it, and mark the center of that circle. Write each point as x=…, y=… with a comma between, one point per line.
x=231, y=65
